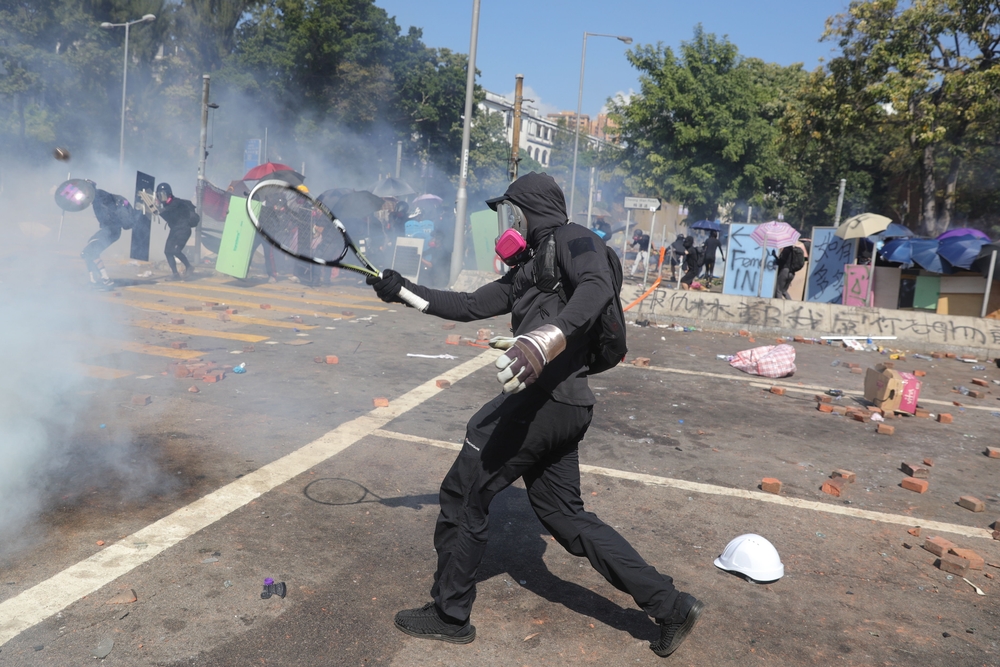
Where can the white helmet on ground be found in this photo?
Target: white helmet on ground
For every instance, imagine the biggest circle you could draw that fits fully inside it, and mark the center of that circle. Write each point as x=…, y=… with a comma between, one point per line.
x=752, y=556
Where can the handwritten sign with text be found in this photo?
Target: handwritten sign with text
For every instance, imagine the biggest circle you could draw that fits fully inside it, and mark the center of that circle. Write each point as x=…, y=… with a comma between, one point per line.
x=743, y=262
x=857, y=285
x=826, y=265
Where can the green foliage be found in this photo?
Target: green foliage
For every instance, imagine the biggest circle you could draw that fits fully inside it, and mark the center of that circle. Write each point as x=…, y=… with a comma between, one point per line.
x=489, y=154
x=702, y=130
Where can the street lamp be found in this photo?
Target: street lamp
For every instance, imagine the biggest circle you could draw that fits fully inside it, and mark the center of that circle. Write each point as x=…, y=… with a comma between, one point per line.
x=108, y=26
x=579, y=109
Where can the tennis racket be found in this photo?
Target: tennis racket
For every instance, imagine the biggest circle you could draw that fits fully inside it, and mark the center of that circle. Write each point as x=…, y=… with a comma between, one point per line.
x=304, y=228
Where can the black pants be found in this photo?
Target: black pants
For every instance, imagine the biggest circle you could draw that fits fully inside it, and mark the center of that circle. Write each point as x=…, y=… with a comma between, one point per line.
x=689, y=276
x=97, y=244
x=784, y=281
x=710, y=269
x=531, y=436
x=176, y=240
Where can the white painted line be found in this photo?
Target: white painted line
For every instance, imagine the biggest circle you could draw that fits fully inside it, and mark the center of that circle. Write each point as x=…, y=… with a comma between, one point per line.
x=63, y=589
x=712, y=489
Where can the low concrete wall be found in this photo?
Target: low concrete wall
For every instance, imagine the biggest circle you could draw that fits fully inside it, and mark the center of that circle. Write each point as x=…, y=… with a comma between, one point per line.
x=914, y=329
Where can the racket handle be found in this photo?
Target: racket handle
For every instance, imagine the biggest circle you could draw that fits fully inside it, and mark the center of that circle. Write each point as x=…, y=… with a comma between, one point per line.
x=412, y=299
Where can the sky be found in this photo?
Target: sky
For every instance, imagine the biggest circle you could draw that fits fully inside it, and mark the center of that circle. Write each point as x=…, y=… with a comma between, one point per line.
x=543, y=39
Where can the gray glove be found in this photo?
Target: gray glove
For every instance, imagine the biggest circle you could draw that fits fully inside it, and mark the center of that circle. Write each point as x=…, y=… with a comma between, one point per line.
x=526, y=356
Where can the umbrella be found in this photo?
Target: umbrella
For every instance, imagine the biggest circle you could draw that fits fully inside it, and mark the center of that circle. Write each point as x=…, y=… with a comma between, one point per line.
x=963, y=231
x=898, y=250
x=75, y=194
x=894, y=231
x=430, y=199
x=710, y=225
x=354, y=205
x=391, y=187
x=262, y=170
x=925, y=253
x=238, y=188
x=862, y=225
x=288, y=176
x=961, y=251
x=775, y=234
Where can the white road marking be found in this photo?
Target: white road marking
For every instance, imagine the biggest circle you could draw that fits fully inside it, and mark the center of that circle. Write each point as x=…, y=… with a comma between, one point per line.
x=63, y=589
x=712, y=489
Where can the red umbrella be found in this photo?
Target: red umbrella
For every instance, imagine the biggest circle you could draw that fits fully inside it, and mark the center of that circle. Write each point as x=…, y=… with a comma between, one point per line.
x=262, y=170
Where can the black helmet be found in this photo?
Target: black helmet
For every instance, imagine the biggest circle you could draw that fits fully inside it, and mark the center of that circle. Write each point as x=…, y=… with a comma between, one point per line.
x=164, y=192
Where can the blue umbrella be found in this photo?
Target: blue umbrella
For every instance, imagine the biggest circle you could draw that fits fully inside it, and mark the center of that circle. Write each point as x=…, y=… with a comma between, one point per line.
x=961, y=251
x=894, y=231
x=899, y=250
x=710, y=225
x=925, y=253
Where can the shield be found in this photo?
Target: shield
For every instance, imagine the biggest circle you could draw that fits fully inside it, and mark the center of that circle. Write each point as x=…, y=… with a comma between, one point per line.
x=961, y=251
x=392, y=187
x=354, y=205
x=775, y=234
x=710, y=225
x=74, y=195
x=862, y=225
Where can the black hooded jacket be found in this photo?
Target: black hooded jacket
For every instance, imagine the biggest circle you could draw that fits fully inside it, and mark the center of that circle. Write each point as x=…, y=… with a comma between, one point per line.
x=586, y=280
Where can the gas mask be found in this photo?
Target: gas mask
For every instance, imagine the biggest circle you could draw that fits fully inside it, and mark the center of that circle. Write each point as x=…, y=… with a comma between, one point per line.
x=512, y=243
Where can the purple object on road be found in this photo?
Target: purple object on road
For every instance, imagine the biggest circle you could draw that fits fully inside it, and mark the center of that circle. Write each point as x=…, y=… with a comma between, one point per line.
x=268, y=581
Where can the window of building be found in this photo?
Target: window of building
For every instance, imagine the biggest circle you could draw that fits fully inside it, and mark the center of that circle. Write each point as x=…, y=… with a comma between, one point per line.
x=545, y=158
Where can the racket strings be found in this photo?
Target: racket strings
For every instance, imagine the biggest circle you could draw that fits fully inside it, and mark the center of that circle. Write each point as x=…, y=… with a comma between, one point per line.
x=297, y=225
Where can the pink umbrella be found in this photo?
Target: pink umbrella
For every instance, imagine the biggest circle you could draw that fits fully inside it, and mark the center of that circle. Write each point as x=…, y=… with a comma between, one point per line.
x=775, y=234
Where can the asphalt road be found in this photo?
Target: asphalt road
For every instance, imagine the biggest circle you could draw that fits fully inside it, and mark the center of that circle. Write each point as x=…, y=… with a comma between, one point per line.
x=289, y=471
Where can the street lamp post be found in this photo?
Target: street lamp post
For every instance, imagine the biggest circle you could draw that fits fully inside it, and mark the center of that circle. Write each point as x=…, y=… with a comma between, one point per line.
x=579, y=110
x=108, y=26
x=462, y=198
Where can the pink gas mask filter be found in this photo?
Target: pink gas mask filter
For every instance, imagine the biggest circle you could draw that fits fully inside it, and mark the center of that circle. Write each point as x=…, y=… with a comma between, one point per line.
x=512, y=246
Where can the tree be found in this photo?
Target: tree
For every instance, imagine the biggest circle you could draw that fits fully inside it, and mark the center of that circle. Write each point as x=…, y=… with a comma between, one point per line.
x=489, y=154
x=933, y=66
x=702, y=130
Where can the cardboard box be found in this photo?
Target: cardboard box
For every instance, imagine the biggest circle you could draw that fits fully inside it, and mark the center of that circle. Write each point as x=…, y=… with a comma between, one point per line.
x=892, y=390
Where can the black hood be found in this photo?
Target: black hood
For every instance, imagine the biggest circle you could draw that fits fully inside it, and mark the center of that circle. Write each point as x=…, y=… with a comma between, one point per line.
x=542, y=201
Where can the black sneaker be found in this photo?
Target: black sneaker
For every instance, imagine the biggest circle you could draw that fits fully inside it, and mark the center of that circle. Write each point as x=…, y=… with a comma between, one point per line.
x=675, y=629
x=426, y=623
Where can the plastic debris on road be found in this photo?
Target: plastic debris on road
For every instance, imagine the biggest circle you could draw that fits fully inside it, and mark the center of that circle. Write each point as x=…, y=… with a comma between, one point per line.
x=242, y=368
x=431, y=356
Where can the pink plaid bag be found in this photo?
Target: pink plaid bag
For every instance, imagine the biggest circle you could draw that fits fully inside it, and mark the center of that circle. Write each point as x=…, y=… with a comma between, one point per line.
x=770, y=361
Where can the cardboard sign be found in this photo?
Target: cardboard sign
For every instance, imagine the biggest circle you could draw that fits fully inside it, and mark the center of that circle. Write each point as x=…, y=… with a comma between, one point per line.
x=891, y=390
x=826, y=265
x=743, y=265
x=857, y=285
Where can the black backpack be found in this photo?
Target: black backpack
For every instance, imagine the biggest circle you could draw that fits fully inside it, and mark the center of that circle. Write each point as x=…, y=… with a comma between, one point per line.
x=696, y=258
x=608, y=346
x=797, y=260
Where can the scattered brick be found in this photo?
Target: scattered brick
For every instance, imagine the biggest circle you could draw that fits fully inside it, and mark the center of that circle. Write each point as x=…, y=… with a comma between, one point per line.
x=176, y=320
x=980, y=382
x=823, y=398
x=825, y=407
x=885, y=429
x=920, y=374
x=920, y=412
x=857, y=371
x=799, y=339
x=944, y=418
x=976, y=394
x=914, y=484
x=211, y=303
x=938, y=546
x=220, y=307
x=448, y=326
x=875, y=410
x=744, y=332
x=976, y=562
x=987, y=575
x=178, y=345
x=484, y=333
x=915, y=531
x=125, y=597
x=860, y=417
x=347, y=313
x=453, y=339
x=929, y=462
x=214, y=376
x=956, y=404
x=840, y=410
x=193, y=389
x=100, y=543
x=296, y=318
x=249, y=348
x=996, y=534
x=845, y=475
x=231, y=311
x=442, y=384
x=970, y=503
x=381, y=402
x=640, y=361
x=780, y=391
x=192, y=308
x=953, y=564
x=265, y=306
x=770, y=485
x=319, y=360
x=332, y=359
x=993, y=452
x=142, y=399
x=952, y=355
x=936, y=355
x=833, y=487
x=224, y=317
x=912, y=470
x=779, y=341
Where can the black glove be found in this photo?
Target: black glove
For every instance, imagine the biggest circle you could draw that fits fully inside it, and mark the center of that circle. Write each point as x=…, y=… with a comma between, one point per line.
x=388, y=285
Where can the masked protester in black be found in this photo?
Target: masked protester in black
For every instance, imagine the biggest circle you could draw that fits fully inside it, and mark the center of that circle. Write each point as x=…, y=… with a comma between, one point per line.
x=113, y=213
x=181, y=217
x=533, y=429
